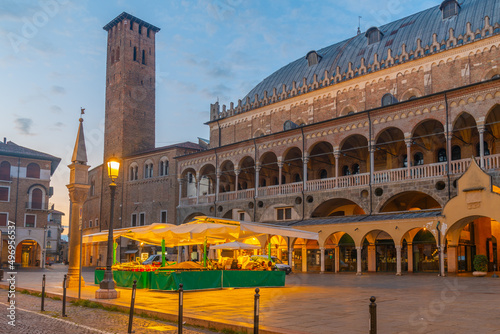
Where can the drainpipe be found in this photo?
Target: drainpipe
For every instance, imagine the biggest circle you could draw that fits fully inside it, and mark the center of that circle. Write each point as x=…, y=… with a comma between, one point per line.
x=303, y=173
x=440, y=248
x=255, y=182
x=448, y=149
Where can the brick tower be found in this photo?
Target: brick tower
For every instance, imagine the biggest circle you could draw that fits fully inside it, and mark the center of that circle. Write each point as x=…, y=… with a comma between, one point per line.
x=130, y=99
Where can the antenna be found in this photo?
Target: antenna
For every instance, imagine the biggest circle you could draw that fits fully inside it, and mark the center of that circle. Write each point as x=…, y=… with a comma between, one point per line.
x=359, y=24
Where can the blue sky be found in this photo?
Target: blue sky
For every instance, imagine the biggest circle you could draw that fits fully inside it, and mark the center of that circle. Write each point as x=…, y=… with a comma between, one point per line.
x=52, y=61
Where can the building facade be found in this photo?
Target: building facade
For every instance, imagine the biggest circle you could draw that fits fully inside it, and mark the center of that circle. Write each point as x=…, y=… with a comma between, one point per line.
x=53, y=239
x=366, y=141
x=24, y=200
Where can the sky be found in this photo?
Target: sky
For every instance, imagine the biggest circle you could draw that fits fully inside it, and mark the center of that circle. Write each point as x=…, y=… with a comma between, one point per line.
x=53, y=62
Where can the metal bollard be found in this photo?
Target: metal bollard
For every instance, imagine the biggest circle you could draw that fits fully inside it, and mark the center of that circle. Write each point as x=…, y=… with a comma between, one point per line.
x=181, y=293
x=131, y=316
x=256, y=312
x=373, y=316
x=64, y=297
x=43, y=293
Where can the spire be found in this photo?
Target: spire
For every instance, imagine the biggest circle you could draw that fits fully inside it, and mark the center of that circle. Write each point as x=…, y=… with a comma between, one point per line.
x=80, y=152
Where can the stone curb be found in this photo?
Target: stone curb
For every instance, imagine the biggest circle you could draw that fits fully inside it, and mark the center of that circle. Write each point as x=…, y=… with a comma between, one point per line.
x=205, y=322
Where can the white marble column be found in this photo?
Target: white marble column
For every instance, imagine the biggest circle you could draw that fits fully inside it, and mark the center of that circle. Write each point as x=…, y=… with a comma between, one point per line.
x=408, y=143
x=481, y=130
x=337, y=158
x=217, y=185
x=236, y=180
x=372, y=161
x=280, y=173
x=180, y=188
x=304, y=170
x=257, y=179
x=358, y=260
x=398, y=260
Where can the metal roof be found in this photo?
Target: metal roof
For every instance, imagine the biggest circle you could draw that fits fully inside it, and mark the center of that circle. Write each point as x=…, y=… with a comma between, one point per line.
x=132, y=18
x=406, y=31
x=364, y=218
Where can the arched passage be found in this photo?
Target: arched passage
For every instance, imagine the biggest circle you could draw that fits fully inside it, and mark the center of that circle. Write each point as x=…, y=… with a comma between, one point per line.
x=464, y=138
x=246, y=178
x=410, y=201
x=268, y=175
x=492, y=133
x=227, y=177
x=292, y=166
x=390, y=149
x=354, y=156
x=337, y=207
x=379, y=252
x=29, y=253
x=428, y=140
x=321, y=164
x=340, y=253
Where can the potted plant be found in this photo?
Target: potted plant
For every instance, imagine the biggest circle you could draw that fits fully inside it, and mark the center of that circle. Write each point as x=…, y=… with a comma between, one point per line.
x=480, y=265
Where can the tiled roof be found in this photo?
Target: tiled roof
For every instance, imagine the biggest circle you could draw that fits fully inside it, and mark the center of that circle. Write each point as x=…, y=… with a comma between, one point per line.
x=14, y=150
x=407, y=31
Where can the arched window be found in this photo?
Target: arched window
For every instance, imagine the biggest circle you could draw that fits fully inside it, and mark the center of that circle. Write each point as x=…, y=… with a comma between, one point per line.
x=288, y=125
x=346, y=171
x=36, y=198
x=148, y=170
x=33, y=171
x=163, y=167
x=418, y=159
x=323, y=174
x=496, y=76
x=49, y=234
x=456, y=153
x=388, y=99
x=5, y=171
x=355, y=169
x=449, y=8
x=134, y=172
x=441, y=155
x=263, y=183
x=405, y=160
x=190, y=178
x=313, y=58
x=297, y=178
x=486, y=149
x=135, y=53
x=143, y=57
x=283, y=179
x=275, y=181
x=49, y=245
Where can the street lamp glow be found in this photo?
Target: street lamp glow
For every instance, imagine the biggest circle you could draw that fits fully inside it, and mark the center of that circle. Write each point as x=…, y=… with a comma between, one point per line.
x=113, y=168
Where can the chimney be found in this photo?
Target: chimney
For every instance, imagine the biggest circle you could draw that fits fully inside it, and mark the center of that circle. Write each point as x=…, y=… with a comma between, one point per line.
x=5, y=140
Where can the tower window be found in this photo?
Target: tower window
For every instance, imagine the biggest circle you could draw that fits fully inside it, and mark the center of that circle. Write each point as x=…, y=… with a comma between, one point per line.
x=418, y=159
x=33, y=171
x=373, y=35
x=143, y=57
x=442, y=155
x=449, y=8
x=147, y=32
x=140, y=29
x=456, y=153
x=131, y=25
x=135, y=53
x=5, y=171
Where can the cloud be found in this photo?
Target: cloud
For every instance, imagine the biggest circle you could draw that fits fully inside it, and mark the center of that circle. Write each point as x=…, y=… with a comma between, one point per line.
x=24, y=125
x=58, y=90
x=56, y=109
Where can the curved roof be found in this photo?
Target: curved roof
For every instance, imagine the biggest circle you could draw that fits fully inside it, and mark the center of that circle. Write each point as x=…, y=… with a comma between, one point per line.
x=406, y=31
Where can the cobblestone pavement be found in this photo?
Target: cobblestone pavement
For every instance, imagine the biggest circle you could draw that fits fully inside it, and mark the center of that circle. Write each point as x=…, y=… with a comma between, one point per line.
x=79, y=320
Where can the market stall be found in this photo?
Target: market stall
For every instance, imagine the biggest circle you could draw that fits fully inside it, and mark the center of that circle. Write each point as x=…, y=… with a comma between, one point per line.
x=238, y=271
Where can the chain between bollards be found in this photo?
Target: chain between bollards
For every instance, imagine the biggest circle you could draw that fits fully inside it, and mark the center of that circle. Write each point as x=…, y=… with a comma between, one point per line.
x=256, y=312
x=132, y=302
x=373, y=316
x=64, y=297
x=43, y=293
x=181, y=296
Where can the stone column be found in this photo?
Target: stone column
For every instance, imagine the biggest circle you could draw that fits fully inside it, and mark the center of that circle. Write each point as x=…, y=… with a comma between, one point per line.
x=337, y=259
x=337, y=158
x=448, y=147
x=398, y=260
x=322, y=257
x=372, y=161
x=304, y=169
x=441, y=261
x=481, y=130
x=452, y=259
x=358, y=260
x=217, y=185
x=78, y=195
x=257, y=179
x=198, y=184
x=290, y=255
x=410, y=257
x=280, y=173
x=304, y=258
x=181, y=181
x=372, y=258
x=236, y=180
x=408, y=143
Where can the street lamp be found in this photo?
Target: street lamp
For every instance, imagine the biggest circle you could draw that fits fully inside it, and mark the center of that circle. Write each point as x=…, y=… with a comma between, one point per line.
x=108, y=282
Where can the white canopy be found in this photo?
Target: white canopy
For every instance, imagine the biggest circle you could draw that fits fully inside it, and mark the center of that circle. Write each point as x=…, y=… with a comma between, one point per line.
x=235, y=245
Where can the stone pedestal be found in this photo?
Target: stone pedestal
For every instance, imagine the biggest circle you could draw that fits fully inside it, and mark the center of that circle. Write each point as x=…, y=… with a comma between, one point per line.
x=107, y=294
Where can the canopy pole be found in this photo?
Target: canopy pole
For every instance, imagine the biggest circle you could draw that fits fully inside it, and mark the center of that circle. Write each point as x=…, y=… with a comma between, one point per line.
x=268, y=248
x=205, y=253
x=115, y=246
x=163, y=252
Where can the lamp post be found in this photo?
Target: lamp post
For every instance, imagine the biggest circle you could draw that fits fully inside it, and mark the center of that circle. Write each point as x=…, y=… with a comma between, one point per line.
x=107, y=285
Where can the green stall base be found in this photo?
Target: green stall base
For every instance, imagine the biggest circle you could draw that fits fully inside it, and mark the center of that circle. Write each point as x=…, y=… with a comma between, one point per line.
x=216, y=279
x=126, y=278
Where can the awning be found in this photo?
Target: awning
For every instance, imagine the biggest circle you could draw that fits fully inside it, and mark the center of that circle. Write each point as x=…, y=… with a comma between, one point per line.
x=131, y=251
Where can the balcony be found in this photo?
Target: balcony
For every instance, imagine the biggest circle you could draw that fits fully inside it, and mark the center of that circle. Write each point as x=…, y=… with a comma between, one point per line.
x=398, y=175
x=36, y=206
